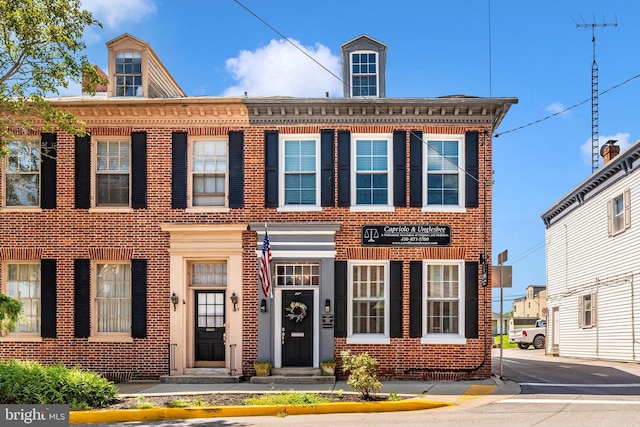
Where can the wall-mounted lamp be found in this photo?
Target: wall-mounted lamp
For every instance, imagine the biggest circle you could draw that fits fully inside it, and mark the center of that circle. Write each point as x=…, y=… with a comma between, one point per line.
x=234, y=300
x=263, y=305
x=327, y=305
x=174, y=300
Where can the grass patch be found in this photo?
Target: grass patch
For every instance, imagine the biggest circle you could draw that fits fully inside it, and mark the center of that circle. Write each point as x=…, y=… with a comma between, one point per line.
x=141, y=403
x=505, y=341
x=288, y=398
x=184, y=403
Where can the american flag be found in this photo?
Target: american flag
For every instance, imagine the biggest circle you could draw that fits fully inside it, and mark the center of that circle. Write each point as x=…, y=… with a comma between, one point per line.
x=264, y=273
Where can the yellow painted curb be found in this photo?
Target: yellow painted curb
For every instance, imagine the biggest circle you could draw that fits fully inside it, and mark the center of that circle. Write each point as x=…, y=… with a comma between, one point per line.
x=160, y=414
x=475, y=391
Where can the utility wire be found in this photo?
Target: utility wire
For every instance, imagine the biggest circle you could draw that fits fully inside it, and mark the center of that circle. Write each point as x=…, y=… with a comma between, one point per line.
x=566, y=109
x=371, y=101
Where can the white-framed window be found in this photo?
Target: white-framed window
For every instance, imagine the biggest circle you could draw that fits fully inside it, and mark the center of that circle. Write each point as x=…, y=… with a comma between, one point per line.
x=587, y=311
x=444, y=302
x=372, y=177
x=113, y=173
x=209, y=172
x=128, y=73
x=367, y=308
x=364, y=74
x=22, y=174
x=111, y=308
x=619, y=213
x=444, y=178
x=299, y=175
x=23, y=283
x=204, y=274
x=297, y=274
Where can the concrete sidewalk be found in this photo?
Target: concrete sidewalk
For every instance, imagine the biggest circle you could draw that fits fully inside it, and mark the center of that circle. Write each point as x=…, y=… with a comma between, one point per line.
x=421, y=394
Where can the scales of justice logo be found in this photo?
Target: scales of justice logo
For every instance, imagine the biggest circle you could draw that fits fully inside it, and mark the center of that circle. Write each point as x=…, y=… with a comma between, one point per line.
x=371, y=234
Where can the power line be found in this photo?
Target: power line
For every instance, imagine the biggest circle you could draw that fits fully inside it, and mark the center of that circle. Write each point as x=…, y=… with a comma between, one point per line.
x=566, y=109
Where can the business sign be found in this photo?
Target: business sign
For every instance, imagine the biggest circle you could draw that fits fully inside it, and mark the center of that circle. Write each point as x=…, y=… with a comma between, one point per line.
x=406, y=235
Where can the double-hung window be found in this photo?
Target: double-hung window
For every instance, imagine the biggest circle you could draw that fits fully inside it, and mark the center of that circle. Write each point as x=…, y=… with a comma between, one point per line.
x=209, y=172
x=444, y=178
x=128, y=73
x=22, y=174
x=619, y=213
x=300, y=176
x=587, y=311
x=364, y=74
x=368, y=308
x=444, y=291
x=23, y=284
x=372, y=172
x=113, y=166
x=112, y=300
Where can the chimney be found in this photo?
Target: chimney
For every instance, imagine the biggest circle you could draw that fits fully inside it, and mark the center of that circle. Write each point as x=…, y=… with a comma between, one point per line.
x=609, y=150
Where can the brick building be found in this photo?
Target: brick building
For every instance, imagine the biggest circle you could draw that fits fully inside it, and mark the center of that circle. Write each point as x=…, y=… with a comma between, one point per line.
x=135, y=249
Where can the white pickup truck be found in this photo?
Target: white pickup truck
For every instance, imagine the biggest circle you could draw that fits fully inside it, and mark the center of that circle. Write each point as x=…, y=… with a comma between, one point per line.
x=524, y=337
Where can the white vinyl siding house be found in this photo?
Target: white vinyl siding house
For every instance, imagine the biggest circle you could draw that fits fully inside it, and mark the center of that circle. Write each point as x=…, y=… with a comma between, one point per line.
x=592, y=271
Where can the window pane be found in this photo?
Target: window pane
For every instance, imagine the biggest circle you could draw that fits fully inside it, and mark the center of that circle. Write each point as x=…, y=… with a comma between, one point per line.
x=22, y=174
x=113, y=297
x=297, y=274
x=23, y=283
x=368, y=290
x=128, y=70
x=209, y=167
x=443, y=299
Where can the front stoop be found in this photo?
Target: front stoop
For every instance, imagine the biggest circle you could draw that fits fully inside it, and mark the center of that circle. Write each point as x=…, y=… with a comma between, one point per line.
x=201, y=376
x=294, y=376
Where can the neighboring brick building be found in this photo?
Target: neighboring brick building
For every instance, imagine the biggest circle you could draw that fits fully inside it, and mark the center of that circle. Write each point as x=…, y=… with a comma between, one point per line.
x=127, y=245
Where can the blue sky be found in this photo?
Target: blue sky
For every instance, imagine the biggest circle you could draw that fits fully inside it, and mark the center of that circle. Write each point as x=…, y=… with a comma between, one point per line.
x=502, y=48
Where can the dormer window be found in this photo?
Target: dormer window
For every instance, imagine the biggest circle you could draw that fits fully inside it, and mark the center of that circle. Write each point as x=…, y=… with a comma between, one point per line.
x=128, y=73
x=364, y=74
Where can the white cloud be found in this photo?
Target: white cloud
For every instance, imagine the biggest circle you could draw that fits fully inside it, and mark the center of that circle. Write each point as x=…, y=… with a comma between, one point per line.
x=281, y=69
x=113, y=13
x=585, y=149
x=556, y=108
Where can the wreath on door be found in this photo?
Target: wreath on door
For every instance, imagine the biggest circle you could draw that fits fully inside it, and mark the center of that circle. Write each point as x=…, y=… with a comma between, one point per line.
x=297, y=311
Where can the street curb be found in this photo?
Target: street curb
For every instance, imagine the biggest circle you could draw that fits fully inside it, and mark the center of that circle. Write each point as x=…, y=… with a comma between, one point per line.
x=162, y=414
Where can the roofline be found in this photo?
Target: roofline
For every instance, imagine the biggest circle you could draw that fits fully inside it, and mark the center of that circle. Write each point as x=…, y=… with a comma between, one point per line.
x=622, y=162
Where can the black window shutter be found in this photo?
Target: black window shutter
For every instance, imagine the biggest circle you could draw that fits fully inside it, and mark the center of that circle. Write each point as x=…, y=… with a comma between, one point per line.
x=395, y=293
x=48, y=171
x=471, y=299
x=179, y=170
x=344, y=168
x=340, y=296
x=139, y=298
x=415, y=299
x=236, y=169
x=81, y=301
x=83, y=172
x=138, y=170
x=327, y=179
x=399, y=168
x=48, y=307
x=415, y=169
x=271, y=169
x=472, y=168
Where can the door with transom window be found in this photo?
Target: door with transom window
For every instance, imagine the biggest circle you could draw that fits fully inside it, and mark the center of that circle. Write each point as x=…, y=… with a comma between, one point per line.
x=209, y=328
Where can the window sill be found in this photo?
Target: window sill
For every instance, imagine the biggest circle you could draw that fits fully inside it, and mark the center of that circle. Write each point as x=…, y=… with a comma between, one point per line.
x=365, y=339
x=300, y=208
x=205, y=209
x=102, y=209
x=111, y=338
x=28, y=209
x=444, y=208
x=373, y=208
x=21, y=338
x=443, y=339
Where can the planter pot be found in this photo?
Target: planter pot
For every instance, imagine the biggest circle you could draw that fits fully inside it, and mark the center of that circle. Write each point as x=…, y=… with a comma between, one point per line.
x=262, y=369
x=328, y=369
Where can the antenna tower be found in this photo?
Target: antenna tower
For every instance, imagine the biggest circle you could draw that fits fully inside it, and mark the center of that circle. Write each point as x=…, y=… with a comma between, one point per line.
x=595, y=159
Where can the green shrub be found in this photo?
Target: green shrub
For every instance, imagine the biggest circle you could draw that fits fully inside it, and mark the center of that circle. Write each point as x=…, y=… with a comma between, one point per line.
x=28, y=382
x=362, y=373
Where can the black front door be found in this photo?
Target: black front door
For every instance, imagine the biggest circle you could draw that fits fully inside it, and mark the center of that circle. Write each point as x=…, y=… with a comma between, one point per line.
x=297, y=328
x=210, y=331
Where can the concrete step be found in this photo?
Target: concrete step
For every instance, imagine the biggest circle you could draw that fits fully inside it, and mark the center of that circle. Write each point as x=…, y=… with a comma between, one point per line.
x=296, y=372
x=207, y=371
x=293, y=379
